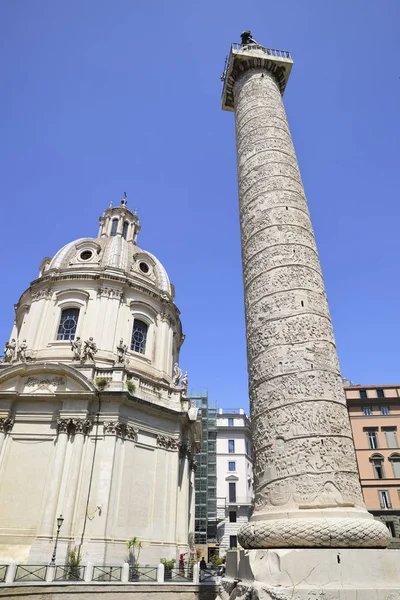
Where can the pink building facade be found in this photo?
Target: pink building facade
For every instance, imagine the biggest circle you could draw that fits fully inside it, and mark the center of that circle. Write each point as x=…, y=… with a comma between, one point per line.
x=375, y=420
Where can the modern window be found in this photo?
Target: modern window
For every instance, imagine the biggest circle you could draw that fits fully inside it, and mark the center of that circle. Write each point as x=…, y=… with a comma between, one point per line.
x=391, y=527
x=231, y=446
x=384, y=499
x=125, y=229
x=232, y=516
x=139, y=336
x=230, y=422
x=384, y=410
x=114, y=227
x=395, y=460
x=391, y=437
x=367, y=410
x=68, y=324
x=231, y=465
x=377, y=464
x=233, y=541
x=380, y=393
x=363, y=394
x=372, y=439
x=232, y=492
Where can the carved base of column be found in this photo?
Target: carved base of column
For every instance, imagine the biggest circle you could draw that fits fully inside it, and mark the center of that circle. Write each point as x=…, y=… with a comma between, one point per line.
x=315, y=532
x=312, y=574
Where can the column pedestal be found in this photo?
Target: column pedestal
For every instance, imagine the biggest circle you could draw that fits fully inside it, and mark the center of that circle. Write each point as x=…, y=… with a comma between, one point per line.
x=312, y=574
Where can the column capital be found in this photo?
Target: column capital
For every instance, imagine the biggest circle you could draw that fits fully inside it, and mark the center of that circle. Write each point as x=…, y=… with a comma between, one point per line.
x=120, y=429
x=167, y=442
x=6, y=424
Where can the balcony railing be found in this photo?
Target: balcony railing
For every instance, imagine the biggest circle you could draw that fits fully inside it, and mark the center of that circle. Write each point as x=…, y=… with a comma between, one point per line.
x=269, y=51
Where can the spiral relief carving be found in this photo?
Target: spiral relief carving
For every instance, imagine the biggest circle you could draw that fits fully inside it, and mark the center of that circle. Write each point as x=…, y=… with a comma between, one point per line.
x=304, y=453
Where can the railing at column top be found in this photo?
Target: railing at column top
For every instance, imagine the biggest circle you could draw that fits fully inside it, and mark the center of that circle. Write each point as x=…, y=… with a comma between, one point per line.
x=268, y=51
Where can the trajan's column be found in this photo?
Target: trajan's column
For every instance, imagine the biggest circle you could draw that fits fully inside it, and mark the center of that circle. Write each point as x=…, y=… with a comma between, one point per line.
x=306, y=480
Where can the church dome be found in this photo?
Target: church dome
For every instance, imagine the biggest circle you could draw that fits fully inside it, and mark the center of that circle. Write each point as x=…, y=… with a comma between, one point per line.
x=114, y=250
x=111, y=253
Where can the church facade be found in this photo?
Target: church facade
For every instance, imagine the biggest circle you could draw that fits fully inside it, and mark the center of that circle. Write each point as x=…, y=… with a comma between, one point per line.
x=94, y=420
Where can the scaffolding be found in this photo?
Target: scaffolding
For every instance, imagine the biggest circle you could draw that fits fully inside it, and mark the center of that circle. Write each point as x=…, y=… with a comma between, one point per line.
x=206, y=473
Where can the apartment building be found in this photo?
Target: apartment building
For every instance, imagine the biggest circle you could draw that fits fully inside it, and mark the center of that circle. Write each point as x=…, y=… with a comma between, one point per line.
x=375, y=420
x=234, y=475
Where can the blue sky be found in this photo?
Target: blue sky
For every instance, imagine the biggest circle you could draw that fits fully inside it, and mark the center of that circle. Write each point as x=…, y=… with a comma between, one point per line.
x=100, y=97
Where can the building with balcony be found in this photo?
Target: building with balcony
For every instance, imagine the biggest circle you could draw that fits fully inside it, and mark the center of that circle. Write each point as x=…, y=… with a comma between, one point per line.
x=375, y=420
x=234, y=475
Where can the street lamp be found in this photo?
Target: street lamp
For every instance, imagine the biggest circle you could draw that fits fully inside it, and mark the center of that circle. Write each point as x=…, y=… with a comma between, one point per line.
x=60, y=520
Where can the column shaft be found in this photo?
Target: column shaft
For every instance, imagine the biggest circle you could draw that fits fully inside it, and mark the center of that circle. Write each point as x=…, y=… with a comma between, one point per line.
x=305, y=465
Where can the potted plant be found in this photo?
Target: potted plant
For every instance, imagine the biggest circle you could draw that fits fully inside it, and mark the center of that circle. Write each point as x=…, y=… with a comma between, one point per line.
x=73, y=565
x=168, y=566
x=131, y=386
x=101, y=382
x=134, y=547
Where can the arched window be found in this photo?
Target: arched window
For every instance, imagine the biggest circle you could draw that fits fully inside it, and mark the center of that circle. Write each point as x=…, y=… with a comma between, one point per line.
x=139, y=336
x=68, y=324
x=114, y=227
x=395, y=460
x=125, y=229
x=377, y=464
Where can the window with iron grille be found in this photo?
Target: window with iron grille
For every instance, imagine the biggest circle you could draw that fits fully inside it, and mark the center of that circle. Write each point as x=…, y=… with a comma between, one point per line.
x=139, y=336
x=68, y=324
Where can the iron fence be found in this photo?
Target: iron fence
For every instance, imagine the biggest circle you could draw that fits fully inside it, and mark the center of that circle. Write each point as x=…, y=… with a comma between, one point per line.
x=30, y=573
x=69, y=573
x=178, y=575
x=3, y=572
x=270, y=51
x=142, y=573
x=107, y=573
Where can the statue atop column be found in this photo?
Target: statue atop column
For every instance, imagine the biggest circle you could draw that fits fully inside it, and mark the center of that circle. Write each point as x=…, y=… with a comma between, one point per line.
x=247, y=38
x=89, y=350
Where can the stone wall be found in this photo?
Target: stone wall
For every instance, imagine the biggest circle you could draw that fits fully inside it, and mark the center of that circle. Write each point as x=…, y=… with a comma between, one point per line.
x=110, y=592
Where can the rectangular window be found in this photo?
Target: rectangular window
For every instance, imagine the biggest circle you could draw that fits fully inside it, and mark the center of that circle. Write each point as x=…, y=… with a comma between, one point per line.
x=231, y=465
x=372, y=439
x=379, y=473
x=385, y=410
x=232, y=492
x=232, y=516
x=231, y=446
x=380, y=393
x=391, y=437
x=395, y=460
x=367, y=410
x=363, y=394
x=384, y=499
x=230, y=422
